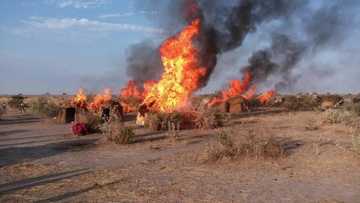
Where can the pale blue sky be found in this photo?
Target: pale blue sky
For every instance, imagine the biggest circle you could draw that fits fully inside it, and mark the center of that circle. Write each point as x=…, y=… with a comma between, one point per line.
x=59, y=45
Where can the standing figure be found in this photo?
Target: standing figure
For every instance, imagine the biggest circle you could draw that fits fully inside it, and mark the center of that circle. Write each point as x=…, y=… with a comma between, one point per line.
x=22, y=107
x=105, y=114
x=117, y=111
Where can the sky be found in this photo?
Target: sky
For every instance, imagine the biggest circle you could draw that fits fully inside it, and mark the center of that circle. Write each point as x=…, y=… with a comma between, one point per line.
x=60, y=45
x=57, y=46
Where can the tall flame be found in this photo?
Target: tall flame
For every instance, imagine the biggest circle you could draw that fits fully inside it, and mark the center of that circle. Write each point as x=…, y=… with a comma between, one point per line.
x=131, y=90
x=182, y=74
x=80, y=99
x=101, y=99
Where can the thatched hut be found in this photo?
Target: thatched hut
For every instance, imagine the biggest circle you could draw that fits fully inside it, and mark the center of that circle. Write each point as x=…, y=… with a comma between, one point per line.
x=66, y=115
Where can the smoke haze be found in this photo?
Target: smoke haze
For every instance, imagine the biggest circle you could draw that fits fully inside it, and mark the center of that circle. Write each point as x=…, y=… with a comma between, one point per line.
x=297, y=45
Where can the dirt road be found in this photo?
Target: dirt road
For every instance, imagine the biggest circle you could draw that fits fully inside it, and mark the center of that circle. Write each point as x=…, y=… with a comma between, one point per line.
x=43, y=162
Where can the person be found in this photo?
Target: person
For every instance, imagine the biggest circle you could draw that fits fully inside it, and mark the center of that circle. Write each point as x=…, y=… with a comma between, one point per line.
x=105, y=114
x=22, y=107
x=117, y=111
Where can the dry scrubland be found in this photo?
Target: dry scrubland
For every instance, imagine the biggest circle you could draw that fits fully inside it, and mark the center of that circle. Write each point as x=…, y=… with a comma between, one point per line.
x=263, y=156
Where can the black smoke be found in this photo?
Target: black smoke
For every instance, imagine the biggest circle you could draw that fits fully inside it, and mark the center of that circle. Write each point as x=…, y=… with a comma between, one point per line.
x=143, y=62
x=279, y=59
x=306, y=27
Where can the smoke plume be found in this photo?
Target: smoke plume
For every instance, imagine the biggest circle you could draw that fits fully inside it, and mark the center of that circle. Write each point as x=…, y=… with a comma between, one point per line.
x=143, y=62
x=295, y=30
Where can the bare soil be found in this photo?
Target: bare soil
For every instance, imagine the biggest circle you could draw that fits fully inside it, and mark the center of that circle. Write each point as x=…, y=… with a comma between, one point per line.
x=43, y=162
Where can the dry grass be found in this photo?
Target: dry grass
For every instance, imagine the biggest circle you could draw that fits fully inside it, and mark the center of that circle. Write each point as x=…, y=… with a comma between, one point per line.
x=335, y=116
x=93, y=122
x=249, y=146
x=165, y=121
x=2, y=111
x=117, y=133
x=312, y=125
x=16, y=101
x=356, y=140
x=300, y=103
x=210, y=119
x=354, y=108
x=185, y=120
x=44, y=107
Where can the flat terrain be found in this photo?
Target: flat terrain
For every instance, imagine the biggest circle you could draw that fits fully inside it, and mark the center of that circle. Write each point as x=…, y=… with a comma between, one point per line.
x=43, y=162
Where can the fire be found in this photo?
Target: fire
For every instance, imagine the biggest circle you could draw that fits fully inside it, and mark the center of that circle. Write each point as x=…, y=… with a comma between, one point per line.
x=131, y=90
x=265, y=97
x=80, y=99
x=249, y=93
x=101, y=99
x=182, y=74
x=148, y=85
x=236, y=88
x=241, y=88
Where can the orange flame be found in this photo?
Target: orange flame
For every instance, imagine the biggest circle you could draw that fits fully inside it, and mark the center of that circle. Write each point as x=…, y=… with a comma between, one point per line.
x=148, y=85
x=265, y=97
x=80, y=99
x=131, y=90
x=236, y=88
x=101, y=99
x=182, y=73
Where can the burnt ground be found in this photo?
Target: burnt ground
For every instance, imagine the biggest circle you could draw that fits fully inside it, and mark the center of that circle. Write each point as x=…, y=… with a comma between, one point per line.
x=43, y=162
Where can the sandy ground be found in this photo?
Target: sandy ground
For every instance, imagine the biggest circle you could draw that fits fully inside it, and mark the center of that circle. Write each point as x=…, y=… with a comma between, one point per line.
x=42, y=162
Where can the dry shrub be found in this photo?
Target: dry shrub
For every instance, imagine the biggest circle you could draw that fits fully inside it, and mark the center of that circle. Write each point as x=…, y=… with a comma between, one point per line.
x=356, y=139
x=163, y=121
x=16, y=101
x=335, y=116
x=153, y=121
x=300, y=102
x=311, y=125
x=249, y=146
x=210, y=119
x=93, y=122
x=2, y=111
x=45, y=107
x=116, y=132
x=353, y=107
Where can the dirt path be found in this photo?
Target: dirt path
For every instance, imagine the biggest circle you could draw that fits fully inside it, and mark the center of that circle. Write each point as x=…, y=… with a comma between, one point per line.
x=43, y=162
